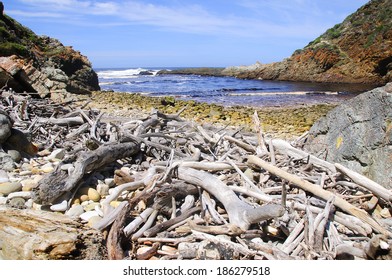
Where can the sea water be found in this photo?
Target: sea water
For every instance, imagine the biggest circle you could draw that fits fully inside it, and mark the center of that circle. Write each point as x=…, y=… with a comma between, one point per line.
x=228, y=91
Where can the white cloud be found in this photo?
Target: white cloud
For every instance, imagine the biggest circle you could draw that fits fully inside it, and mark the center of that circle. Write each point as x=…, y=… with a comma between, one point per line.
x=189, y=18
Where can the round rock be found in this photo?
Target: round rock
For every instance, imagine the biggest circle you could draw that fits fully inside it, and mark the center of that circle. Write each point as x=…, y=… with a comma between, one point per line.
x=93, y=195
x=9, y=187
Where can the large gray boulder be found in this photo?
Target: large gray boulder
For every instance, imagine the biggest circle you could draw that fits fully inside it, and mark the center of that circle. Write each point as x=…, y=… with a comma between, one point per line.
x=358, y=134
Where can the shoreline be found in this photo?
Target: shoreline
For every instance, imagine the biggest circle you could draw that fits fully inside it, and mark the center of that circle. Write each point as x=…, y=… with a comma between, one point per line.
x=286, y=122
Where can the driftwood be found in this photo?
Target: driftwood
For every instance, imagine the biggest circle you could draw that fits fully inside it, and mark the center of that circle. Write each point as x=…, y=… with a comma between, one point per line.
x=169, y=188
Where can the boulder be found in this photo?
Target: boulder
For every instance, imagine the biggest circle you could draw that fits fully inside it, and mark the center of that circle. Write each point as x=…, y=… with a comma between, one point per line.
x=358, y=134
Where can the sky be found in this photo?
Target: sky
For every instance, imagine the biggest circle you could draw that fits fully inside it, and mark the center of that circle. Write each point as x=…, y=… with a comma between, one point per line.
x=181, y=33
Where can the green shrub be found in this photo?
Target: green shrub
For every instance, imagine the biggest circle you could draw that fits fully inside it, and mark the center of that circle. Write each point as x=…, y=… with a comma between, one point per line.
x=10, y=48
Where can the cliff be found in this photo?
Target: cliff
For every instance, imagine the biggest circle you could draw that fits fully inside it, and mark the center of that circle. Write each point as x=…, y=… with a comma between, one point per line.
x=33, y=63
x=358, y=50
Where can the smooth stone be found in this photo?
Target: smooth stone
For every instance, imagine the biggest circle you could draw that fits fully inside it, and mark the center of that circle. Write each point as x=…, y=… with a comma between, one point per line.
x=15, y=155
x=28, y=184
x=25, y=172
x=93, y=195
x=4, y=176
x=84, y=198
x=114, y=203
x=86, y=216
x=24, y=195
x=29, y=203
x=47, y=168
x=75, y=211
x=110, y=182
x=60, y=207
x=58, y=154
x=91, y=206
x=3, y=200
x=103, y=189
x=94, y=220
x=9, y=187
x=385, y=213
x=17, y=202
x=66, y=167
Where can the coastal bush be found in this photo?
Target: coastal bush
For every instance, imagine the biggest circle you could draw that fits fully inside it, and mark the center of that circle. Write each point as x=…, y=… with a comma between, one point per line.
x=10, y=48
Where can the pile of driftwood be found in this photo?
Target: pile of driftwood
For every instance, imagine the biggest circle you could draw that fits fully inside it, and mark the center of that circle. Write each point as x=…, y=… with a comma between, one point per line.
x=196, y=191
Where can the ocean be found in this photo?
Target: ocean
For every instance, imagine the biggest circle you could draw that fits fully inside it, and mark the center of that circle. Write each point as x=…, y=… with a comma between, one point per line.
x=227, y=91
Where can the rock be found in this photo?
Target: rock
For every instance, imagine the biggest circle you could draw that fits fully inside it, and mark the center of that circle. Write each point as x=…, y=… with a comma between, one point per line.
x=93, y=220
x=51, y=68
x=6, y=162
x=103, y=189
x=75, y=211
x=358, y=134
x=22, y=194
x=57, y=154
x=357, y=50
x=93, y=195
x=10, y=187
x=86, y=216
x=15, y=155
x=28, y=184
x=5, y=126
x=17, y=202
x=60, y=207
x=19, y=141
x=3, y=200
x=4, y=176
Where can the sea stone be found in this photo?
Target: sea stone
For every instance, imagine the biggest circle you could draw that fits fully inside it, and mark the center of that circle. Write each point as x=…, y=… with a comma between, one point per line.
x=10, y=187
x=75, y=211
x=4, y=176
x=57, y=154
x=358, y=135
x=93, y=195
x=5, y=126
x=6, y=162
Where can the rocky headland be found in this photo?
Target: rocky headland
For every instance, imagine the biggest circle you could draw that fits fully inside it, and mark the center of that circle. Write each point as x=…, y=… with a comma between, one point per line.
x=358, y=50
x=40, y=64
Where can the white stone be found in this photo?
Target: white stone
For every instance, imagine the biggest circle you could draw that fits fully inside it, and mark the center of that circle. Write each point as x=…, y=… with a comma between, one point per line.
x=25, y=195
x=88, y=215
x=110, y=182
x=60, y=207
x=3, y=200
x=75, y=211
x=3, y=176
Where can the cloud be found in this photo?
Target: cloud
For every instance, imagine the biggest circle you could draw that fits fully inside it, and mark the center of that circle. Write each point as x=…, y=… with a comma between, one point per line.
x=269, y=18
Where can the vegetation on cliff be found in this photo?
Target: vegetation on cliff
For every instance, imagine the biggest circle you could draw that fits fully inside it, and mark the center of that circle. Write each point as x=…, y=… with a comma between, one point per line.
x=358, y=50
x=32, y=55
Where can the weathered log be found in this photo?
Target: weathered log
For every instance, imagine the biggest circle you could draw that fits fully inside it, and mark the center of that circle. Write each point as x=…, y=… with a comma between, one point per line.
x=56, y=184
x=38, y=235
x=240, y=213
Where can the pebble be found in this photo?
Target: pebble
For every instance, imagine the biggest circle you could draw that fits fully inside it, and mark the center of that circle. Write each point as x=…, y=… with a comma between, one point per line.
x=110, y=182
x=60, y=207
x=15, y=155
x=47, y=168
x=84, y=198
x=93, y=195
x=114, y=203
x=24, y=195
x=57, y=154
x=3, y=200
x=9, y=187
x=75, y=211
x=66, y=167
x=385, y=213
x=86, y=216
x=91, y=206
x=28, y=184
x=17, y=202
x=93, y=220
x=103, y=189
x=3, y=176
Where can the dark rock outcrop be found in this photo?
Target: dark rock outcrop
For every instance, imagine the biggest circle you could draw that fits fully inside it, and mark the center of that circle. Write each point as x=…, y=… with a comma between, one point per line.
x=358, y=134
x=41, y=64
x=358, y=50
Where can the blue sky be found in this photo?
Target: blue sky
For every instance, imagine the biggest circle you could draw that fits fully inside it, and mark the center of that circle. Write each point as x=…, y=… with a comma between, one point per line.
x=147, y=33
